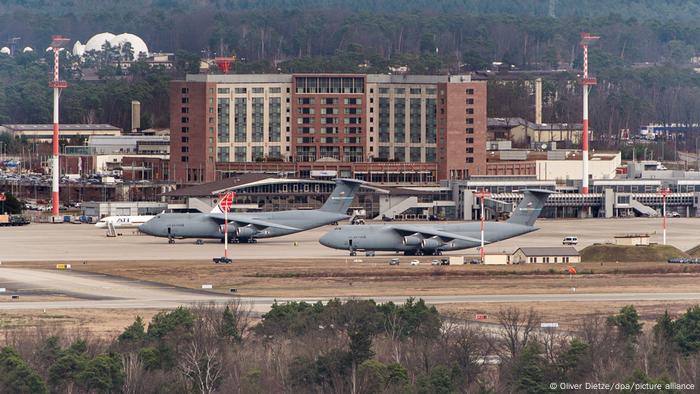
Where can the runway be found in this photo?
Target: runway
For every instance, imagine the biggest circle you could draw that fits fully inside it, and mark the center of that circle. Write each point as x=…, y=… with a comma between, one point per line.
x=105, y=292
x=73, y=242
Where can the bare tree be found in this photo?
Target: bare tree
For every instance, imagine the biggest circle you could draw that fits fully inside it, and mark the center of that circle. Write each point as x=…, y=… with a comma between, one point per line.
x=201, y=364
x=133, y=374
x=517, y=328
x=393, y=328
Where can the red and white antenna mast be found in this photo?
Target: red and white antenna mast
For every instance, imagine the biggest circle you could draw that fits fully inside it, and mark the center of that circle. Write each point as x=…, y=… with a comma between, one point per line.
x=57, y=42
x=482, y=194
x=586, y=81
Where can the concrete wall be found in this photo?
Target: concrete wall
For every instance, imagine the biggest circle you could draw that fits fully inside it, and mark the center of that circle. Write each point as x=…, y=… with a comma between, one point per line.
x=632, y=241
x=561, y=170
x=520, y=258
x=496, y=259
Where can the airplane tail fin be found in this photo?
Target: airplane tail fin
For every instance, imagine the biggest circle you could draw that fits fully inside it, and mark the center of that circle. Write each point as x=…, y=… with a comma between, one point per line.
x=530, y=207
x=342, y=196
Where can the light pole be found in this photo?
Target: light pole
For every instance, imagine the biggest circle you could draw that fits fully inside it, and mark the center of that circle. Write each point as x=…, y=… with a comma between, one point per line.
x=483, y=193
x=664, y=192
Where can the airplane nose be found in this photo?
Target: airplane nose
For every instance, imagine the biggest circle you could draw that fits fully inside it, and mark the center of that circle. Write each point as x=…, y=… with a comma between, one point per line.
x=147, y=227
x=326, y=240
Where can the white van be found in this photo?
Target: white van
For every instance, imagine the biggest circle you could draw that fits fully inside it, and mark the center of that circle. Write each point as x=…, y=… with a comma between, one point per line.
x=570, y=240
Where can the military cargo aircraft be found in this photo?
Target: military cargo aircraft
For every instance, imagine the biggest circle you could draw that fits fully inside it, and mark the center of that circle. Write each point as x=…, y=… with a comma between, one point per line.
x=248, y=227
x=433, y=239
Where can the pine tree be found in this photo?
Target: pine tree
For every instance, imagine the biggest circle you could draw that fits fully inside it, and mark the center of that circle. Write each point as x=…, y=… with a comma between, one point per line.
x=229, y=328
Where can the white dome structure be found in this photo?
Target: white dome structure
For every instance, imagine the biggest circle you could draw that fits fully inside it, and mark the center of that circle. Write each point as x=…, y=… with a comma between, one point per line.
x=137, y=44
x=95, y=42
x=5, y=51
x=27, y=49
x=78, y=48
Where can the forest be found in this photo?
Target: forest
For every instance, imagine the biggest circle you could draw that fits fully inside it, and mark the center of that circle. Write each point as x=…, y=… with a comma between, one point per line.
x=356, y=346
x=644, y=61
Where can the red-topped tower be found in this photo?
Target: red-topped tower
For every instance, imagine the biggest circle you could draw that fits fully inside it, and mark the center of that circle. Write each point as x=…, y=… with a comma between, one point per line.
x=224, y=63
x=57, y=43
x=586, y=81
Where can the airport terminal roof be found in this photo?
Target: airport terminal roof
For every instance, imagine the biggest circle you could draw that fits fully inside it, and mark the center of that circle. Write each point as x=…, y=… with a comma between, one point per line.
x=49, y=126
x=235, y=182
x=211, y=188
x=509, y=123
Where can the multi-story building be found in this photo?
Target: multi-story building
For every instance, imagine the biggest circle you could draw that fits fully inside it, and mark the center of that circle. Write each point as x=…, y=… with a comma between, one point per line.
x=407, y=128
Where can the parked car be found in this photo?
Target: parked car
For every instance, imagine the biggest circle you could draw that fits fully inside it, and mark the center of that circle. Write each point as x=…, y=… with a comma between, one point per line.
x=570, y=240
x=684, y=260
x=415, y=262
x=394, y=262
x=435, y=262
x=674, y=214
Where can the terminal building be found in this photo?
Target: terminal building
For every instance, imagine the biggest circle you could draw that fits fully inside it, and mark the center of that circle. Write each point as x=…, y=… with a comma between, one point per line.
x=44, y=132
x=452, y=199
x=397, y=128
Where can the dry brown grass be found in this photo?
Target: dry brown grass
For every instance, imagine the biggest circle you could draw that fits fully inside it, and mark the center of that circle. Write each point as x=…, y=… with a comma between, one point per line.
x=570, y=314
x=374, y=277
x=106, y=323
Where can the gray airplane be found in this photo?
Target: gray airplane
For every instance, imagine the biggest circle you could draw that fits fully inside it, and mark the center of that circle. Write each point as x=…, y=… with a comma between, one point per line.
x=433, y=239
x=247, y=227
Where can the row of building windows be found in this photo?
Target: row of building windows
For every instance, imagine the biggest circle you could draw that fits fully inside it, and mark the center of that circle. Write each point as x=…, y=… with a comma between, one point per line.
x=329, y=101
x=329, y=111
x=428, y=91
x=330, y=85
x=258, y=90
x=329, y=140
x=330, y=130
x=400, y=153
x=241, y=153
x=329, y=120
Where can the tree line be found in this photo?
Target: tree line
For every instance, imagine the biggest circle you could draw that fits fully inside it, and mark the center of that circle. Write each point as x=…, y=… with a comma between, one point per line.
x=355, y=346
x=643, y=62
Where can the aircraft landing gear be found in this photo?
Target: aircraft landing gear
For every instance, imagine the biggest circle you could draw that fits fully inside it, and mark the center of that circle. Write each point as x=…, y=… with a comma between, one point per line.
x=171, y=240
x=199, y=242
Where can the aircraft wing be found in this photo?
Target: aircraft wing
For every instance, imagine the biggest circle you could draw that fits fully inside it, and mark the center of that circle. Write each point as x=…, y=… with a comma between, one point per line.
x=260, y=224
x=428, y=232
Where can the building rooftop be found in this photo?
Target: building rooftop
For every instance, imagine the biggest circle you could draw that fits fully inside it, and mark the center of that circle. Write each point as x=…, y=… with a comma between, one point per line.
x=513, y=122
x=534, y=155
x=49, y=127
x=549, y=251
x=287, y=78
x=211, y=188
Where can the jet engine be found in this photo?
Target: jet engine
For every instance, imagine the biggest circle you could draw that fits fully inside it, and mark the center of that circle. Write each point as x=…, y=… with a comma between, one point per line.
x=412, y=240
x=431, y=243
x=246, y=232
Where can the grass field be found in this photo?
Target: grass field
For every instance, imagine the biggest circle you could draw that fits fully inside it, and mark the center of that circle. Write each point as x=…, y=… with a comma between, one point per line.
x=374, y=277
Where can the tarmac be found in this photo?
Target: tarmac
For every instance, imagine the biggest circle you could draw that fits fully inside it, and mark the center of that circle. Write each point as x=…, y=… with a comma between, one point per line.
x=96, y=291
x=83, y=242
x=72, y=242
